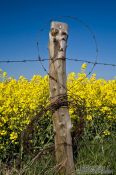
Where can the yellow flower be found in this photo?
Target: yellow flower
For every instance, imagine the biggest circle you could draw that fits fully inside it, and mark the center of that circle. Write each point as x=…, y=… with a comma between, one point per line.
x=84, y=66
x=1, y=124
x=106, y=132
x=13, y=136
x=93, y=77
x=20, y=100
x=3, y=133
x=89, y=117
x=4, y=74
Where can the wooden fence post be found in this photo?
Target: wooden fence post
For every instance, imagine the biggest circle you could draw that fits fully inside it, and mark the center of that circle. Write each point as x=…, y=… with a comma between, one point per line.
x=57, y=79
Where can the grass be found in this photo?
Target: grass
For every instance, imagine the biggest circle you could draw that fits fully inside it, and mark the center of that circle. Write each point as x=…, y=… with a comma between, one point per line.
x=97, y=153
x=97, y=156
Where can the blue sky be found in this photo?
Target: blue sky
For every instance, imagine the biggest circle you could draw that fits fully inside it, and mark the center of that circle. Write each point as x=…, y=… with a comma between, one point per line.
x=21, y=21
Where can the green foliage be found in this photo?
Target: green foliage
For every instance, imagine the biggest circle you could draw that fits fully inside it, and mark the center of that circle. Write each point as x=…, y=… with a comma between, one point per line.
x=92, y=110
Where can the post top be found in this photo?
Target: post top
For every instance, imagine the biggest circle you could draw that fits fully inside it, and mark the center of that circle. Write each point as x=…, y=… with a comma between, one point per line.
x=59, y=25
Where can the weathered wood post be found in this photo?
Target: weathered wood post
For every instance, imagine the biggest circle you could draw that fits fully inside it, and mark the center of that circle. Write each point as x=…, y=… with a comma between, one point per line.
x=57, y=78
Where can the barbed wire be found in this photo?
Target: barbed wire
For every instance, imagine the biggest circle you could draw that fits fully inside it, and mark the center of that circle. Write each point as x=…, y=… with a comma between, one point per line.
x=22, y=61
x=70, y=59
x=94, y=63
x=60, y=101
x=91, y=62
x=88, y=28
x=52, y=62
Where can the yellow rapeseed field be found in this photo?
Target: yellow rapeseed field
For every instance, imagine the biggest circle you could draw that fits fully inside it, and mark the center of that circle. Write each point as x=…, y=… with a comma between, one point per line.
x=21, y=99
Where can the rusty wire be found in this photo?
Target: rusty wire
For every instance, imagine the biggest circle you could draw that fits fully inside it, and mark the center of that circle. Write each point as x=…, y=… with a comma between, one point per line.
x=69, y=59
x=61, y=101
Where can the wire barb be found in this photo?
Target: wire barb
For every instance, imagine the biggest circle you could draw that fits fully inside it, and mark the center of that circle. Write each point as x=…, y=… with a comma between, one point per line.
x=70, y=59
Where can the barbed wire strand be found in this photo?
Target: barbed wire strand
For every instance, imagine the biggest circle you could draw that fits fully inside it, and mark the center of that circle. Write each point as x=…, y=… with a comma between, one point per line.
x=96, y=46
x=70, y=59
x=93, y=37
x=87, y=61
x=61, y=100
x=92, y=34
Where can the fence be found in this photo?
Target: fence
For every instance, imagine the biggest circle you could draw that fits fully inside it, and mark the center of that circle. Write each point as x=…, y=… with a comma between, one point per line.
x=93, y=131
x=27, y=134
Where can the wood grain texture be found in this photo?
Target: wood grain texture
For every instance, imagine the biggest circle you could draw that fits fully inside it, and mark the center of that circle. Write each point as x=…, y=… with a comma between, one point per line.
x=61, y=120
